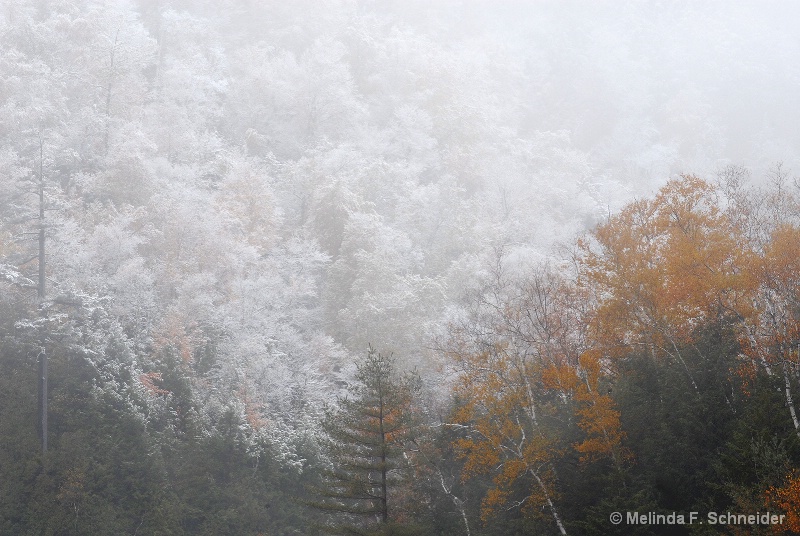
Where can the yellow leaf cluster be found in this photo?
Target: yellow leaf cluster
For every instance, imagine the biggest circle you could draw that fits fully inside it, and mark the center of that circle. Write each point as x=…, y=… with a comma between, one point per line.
x=646, y=280
x=664, y=266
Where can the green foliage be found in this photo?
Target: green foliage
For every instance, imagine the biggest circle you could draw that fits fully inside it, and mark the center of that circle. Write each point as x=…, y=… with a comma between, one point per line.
x=365, y=439
x=713, y=448
x=112, y=470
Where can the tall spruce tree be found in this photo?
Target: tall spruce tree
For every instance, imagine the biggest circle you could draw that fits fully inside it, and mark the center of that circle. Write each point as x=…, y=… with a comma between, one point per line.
x=365, y=437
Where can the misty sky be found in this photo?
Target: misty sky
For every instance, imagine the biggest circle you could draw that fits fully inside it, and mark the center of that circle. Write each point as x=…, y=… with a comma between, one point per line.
x=665, y=87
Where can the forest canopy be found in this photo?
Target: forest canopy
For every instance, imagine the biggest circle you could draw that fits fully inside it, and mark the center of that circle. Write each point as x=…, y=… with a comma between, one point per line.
x=397, y=267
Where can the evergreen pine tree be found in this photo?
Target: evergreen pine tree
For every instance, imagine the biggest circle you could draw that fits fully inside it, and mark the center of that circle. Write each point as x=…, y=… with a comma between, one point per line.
x=365, y=438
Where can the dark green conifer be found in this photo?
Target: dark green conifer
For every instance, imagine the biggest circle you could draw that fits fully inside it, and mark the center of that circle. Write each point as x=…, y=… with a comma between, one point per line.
x=365, y=438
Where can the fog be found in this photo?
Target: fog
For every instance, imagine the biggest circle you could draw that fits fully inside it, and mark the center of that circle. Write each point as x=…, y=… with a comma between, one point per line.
x=647, y=89
x=229, y=201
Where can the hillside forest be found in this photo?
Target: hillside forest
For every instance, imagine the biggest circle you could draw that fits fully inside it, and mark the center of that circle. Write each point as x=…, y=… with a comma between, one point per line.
x=399, y=268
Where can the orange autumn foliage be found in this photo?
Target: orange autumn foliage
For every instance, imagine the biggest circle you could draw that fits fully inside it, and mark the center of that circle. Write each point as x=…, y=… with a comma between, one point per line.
x=150, y=381
x=253, y=410
x=498, y=404
x=178, y=334
x=645, y=281
x=662, y=267
x=524, y=366
x=598, y=417
x=787, y=499
x=772, y=335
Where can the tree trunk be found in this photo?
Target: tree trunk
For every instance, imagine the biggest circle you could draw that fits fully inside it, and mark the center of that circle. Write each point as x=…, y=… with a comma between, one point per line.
x=384, y=502
x=550, y=504
x=789, y=399
x=40, y=292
